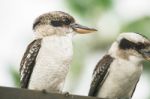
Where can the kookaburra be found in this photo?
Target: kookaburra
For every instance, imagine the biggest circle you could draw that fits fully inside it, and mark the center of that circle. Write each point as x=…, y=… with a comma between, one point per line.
x=118, y=72
x=46, y=61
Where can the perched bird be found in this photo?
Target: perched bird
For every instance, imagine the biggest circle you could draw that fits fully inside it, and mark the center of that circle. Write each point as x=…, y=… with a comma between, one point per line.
x=46, y=61
x=118, y=72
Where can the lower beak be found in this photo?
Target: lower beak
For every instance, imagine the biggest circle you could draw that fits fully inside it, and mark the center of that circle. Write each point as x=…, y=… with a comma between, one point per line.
x=146, y=53
x=82, y=29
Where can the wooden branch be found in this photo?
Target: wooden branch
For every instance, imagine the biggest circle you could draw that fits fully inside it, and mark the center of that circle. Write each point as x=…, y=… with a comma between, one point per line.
x=18, y=93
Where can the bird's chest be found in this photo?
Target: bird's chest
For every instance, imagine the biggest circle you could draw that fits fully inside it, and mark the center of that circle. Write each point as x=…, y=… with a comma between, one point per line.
x=55, y=51
x=121, y=80
x=54, y=57
x=52, y=63
x=125, y=71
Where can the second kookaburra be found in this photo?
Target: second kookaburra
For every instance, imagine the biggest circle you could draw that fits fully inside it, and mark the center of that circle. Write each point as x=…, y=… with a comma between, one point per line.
x=118, y=72
x=46, y=61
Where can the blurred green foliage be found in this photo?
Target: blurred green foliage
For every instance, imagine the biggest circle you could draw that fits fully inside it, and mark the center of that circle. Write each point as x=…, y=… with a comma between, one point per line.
x=140, y=26
x=79, y=54
x=16, y=77
x=147, y=67
x=89, y=8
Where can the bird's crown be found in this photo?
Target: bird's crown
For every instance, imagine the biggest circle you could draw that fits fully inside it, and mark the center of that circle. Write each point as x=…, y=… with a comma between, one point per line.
x=55, y=18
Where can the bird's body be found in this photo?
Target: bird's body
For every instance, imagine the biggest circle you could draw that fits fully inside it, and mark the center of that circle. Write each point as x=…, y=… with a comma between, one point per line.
x=46, y=62
x=52, y=64
x=118, y=72
x=122, y=78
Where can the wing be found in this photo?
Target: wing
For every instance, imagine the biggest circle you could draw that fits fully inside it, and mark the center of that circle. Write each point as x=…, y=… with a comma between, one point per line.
x=132, y=91
x=28, y=62
x=99, y=74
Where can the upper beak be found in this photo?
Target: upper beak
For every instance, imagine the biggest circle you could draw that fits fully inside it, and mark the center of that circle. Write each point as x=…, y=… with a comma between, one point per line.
x=82, y=29
x=146, y=53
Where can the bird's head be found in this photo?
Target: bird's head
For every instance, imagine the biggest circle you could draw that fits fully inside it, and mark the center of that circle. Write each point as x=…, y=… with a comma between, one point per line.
x=132, y=45
x=58, y=22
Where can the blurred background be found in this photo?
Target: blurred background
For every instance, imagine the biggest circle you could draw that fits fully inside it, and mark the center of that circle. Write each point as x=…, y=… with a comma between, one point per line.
x=110, y=17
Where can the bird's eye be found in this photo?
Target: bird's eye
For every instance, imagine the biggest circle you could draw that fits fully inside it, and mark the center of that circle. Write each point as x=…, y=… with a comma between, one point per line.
x=56, y=23
x=66, y=21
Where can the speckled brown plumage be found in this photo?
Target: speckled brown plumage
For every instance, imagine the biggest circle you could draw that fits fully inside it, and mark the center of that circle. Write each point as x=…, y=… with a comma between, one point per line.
x=28, y=62
x=99, y=74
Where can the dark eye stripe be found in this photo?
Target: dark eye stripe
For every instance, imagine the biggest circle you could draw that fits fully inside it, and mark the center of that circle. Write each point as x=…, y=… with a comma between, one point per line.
x=126, y=44
x=56, y=23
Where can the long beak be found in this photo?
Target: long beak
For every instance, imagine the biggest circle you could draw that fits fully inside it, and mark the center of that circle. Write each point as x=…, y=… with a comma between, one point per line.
x=146, y=53
x=82, y=29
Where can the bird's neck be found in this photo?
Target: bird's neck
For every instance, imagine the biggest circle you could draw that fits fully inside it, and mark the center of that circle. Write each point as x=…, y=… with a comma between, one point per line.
x=113, y=50
x=69, y=35
x=57, y=40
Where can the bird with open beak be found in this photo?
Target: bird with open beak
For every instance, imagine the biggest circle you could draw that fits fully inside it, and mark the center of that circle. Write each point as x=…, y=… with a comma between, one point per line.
x=118, y=72
x=46, y=61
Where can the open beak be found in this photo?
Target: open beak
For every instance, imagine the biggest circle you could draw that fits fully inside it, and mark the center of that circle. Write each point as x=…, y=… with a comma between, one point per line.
x=146, y=53
x=82, y=29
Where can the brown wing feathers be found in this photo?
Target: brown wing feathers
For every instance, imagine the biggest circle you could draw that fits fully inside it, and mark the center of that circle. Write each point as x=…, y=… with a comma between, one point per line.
x=99, y=74
x=28, y=62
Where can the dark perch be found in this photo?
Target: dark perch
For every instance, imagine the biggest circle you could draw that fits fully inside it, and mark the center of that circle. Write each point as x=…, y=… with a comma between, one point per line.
x=18, y=93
